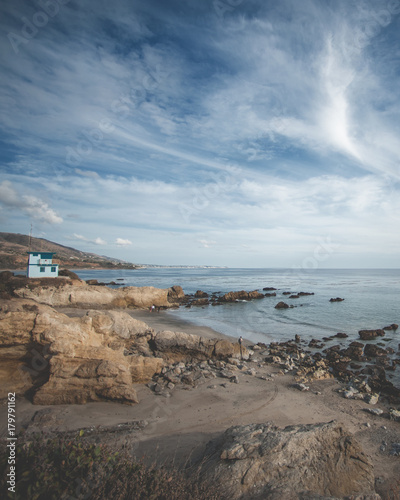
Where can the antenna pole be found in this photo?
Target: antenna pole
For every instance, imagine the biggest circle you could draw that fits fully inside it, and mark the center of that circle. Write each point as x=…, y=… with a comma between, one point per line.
x=30, y=239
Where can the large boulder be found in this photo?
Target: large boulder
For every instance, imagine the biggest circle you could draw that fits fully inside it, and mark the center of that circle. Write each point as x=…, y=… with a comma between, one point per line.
x=282, y=305
x=260, y=461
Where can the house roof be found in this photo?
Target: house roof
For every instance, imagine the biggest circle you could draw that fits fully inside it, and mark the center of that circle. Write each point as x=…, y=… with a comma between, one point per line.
x=47, y=253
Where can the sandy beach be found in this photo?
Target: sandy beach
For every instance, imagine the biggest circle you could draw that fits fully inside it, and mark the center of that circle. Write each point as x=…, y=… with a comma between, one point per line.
x=175, y=429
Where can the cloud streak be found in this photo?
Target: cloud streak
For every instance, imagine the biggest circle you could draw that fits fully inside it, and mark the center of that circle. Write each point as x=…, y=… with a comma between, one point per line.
x=163, y=121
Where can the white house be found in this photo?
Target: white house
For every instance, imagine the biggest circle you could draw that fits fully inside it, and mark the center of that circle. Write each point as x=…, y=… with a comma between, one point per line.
x=40, y=265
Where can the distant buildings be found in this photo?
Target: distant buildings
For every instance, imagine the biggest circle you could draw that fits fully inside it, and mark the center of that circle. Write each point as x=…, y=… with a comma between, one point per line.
x=40, y=265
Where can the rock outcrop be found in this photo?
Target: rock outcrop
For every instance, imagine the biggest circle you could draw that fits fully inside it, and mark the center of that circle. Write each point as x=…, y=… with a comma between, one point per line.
x=301, y=461
x=74, y=293
x=57, y=359
x=179, y=346
x=70, y=360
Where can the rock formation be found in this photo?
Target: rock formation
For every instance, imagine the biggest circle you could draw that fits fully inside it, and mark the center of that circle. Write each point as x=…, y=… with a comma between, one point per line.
x=74, y=293
x=241, y=295
x=69, y=360
x=57, y=359
x=301, y=461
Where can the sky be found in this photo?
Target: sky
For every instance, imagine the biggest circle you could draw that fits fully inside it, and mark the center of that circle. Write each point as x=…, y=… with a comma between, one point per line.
x=240, y=133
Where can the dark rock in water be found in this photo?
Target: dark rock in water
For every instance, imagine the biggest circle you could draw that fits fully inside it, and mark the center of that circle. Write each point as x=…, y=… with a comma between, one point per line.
x=200, y=295
x=270, y=295
x=337, y=299
x=95, y=283
x=269, y=289
x=370, y=334
x=281, y=305
x=286, y=293
x=241, y=295
x=303, y=294
x=294, y=296
x=300, y=461
x=392, y=327
x=315, y=343
x=378, y=382
x=372, y=350
x=200, y=302
x=297, y=338
x=341, y=335
x=354, y=351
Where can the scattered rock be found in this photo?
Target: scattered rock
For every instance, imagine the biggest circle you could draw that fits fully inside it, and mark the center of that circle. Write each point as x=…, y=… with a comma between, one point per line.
x=337, y=299
x=375, y=411
x=371, y=399
x=301, y=387
x=395, y=451
x=281, y=305
x=394, y=415
x=392, y=327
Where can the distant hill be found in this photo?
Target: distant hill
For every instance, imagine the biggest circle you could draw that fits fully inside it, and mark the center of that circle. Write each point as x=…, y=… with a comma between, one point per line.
x=14, y=248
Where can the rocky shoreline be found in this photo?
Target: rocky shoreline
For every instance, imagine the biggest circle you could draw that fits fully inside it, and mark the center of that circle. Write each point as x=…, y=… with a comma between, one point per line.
x=100, y=354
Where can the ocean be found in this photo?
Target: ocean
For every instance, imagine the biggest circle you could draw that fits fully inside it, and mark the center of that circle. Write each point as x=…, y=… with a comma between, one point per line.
x=371, y=300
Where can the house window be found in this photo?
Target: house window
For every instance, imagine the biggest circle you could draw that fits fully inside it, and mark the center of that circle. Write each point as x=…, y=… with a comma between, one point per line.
x=42, y=269
x=53, y=269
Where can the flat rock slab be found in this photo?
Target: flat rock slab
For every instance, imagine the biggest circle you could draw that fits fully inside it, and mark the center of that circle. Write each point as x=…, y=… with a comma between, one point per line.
x=263, y=461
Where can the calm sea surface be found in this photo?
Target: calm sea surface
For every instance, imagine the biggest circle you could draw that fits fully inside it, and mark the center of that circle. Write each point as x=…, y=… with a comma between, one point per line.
x=371, y=299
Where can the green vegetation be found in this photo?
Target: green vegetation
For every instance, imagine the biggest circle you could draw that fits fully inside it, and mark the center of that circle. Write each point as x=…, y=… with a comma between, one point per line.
x=60, y=468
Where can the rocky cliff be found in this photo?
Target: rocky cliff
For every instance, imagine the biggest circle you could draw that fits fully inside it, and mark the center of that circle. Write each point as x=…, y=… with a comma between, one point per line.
x=56, y=359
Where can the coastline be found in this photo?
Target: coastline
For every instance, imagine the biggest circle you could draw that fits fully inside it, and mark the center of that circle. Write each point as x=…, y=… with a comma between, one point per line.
x=176, y=425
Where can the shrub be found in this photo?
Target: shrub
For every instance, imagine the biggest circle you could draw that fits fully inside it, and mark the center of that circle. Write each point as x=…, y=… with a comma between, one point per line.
x=67, y=469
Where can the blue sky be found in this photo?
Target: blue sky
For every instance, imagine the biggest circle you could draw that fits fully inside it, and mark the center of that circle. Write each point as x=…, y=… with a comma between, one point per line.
x=243, y=133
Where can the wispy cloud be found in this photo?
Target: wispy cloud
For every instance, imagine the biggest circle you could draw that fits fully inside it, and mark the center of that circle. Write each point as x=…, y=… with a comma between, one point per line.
x=276, y=121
